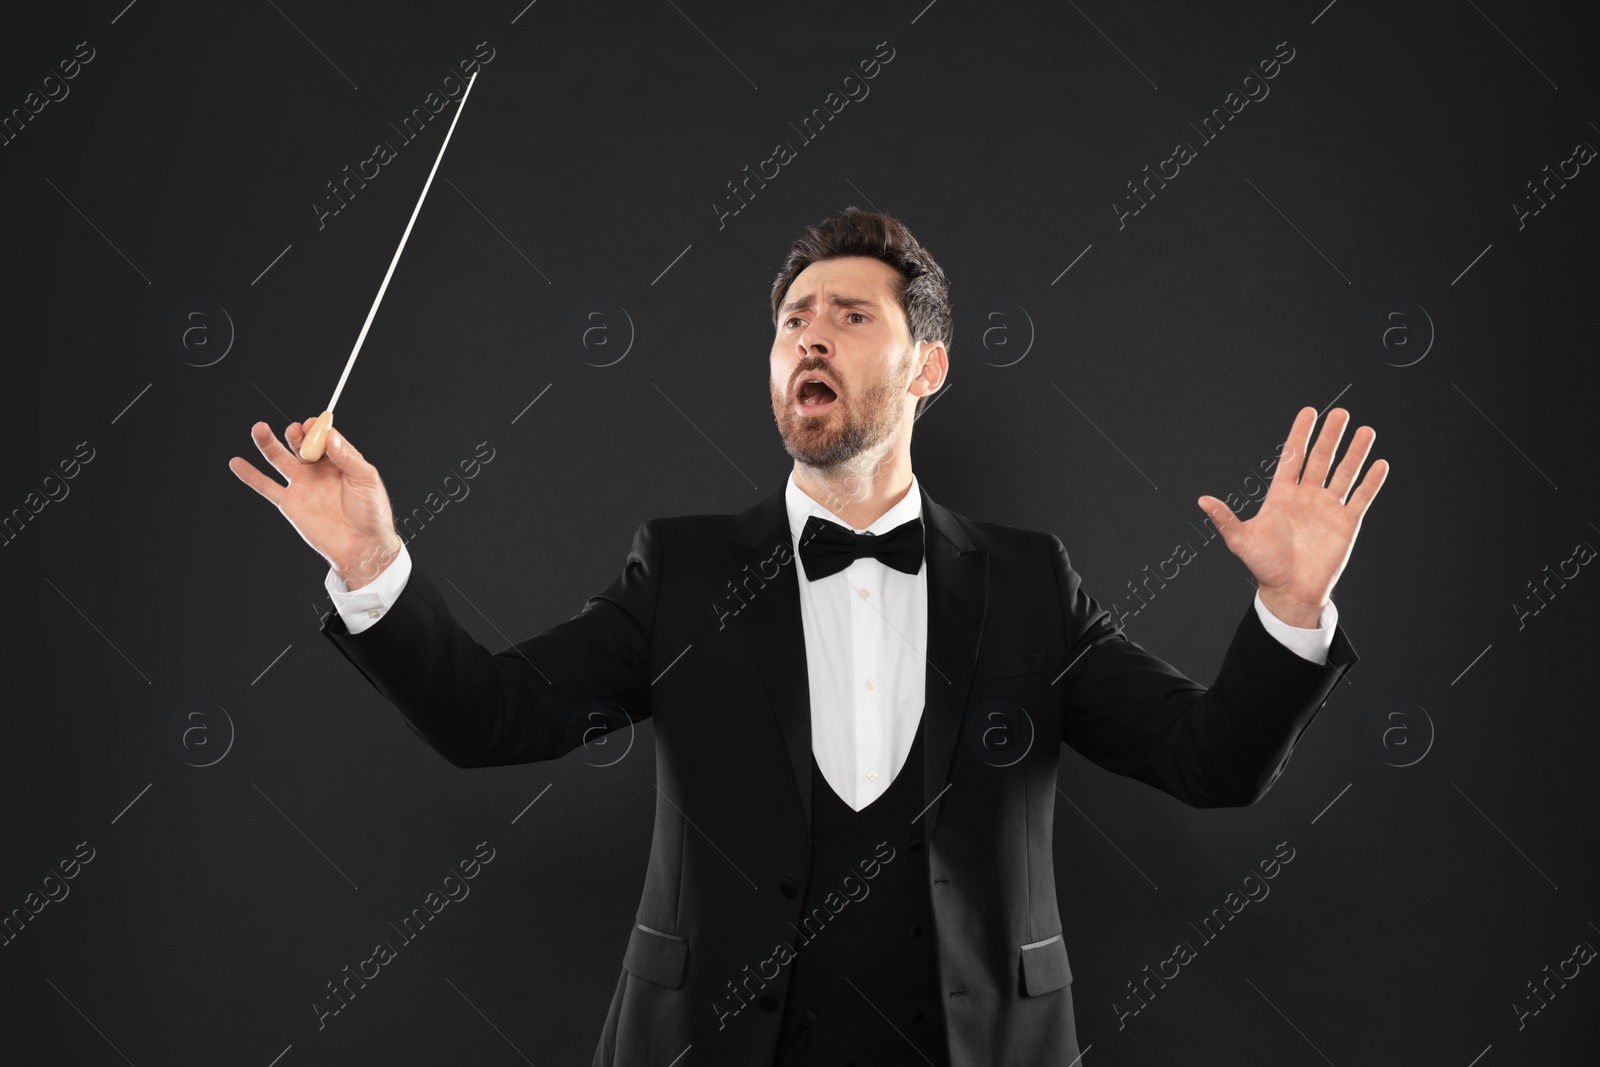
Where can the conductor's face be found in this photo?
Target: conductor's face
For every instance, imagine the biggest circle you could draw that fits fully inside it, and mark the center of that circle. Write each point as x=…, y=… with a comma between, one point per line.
x=840, y=323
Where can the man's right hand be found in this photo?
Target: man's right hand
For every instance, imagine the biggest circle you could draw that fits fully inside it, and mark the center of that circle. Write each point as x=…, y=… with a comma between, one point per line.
x=337, y=504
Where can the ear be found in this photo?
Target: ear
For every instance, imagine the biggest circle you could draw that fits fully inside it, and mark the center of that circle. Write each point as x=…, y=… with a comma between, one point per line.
x=934, y=365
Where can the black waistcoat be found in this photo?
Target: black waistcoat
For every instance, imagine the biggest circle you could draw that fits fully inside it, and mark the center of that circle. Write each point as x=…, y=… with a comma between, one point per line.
x=865, y=975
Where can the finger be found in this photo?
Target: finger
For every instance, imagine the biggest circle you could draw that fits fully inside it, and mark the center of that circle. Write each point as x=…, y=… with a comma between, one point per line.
x=1350, y=466
x=1293, y=453
x=1361, y=499
x=294, y=433
x=1321, y=457
x=282, y=460
x=248, y=474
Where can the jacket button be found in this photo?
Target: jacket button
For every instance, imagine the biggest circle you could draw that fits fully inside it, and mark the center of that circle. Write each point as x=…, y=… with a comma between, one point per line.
x=916, y=845
x=768, y=1002
x=915, y=931
x=787, y=887
x=811, y=1015
x=916, y=1017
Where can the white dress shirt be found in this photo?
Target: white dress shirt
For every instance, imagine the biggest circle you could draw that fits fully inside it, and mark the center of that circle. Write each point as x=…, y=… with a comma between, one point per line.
x=866, y=633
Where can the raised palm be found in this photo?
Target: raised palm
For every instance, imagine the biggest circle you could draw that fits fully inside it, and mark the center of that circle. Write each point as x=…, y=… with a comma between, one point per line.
x=1300, y=539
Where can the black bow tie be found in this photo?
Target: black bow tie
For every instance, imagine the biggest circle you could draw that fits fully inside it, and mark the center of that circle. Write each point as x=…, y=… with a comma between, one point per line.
x=827, y=548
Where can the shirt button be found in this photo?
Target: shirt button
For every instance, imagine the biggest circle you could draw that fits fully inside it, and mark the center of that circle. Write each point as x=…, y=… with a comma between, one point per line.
x=863, y=592
x=373, y=613
x=872, y=776
x=871, y=684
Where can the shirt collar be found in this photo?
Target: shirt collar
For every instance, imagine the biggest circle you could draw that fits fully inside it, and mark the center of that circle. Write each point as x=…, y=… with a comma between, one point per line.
x=801, y=506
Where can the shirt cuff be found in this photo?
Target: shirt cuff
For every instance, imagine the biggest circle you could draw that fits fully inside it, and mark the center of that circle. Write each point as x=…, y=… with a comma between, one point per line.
x=364, y=607
x=1307, y=643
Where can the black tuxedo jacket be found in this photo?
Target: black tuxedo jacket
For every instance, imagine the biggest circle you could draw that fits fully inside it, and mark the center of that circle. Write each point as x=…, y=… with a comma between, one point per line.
x=702, y=633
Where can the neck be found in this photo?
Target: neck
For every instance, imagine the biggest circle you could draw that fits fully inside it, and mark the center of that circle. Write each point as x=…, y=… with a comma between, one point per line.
x=861, y=491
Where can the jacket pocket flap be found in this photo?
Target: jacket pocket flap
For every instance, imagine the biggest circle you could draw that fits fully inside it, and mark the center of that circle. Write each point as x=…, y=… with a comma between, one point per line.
x=1044, y=966
x=656, y=956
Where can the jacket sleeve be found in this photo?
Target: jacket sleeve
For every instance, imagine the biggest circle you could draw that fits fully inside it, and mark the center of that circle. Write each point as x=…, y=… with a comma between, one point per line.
x=1133, y=713
x=536, y=700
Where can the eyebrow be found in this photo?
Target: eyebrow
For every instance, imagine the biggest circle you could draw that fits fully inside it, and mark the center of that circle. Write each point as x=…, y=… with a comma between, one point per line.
x=836, y=300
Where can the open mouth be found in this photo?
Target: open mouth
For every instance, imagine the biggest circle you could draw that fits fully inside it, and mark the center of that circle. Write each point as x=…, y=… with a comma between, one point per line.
x=814, y=396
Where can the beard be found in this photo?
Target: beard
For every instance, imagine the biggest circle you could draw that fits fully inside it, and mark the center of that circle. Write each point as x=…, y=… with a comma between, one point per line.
x=857, y=421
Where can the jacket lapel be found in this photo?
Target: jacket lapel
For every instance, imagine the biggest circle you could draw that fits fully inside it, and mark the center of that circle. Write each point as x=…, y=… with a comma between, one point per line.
x=958, y=592
x=771, y=620
x=958, y=596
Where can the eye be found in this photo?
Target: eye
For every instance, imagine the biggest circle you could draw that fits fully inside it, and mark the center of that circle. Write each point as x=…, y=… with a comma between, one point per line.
x=857, y=315
x=791, y=321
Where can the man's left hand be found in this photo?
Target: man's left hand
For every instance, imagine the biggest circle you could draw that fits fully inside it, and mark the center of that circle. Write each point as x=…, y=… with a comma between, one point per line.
x=1299, y=541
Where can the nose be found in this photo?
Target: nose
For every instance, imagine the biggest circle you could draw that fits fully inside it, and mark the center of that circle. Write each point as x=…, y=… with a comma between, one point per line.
x=805, y=349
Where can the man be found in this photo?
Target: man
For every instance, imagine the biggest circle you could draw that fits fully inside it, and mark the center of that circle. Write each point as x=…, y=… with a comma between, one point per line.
x=858, y=696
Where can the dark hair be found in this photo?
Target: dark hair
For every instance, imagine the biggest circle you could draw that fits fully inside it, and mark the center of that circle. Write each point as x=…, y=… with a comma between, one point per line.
x=923, y=293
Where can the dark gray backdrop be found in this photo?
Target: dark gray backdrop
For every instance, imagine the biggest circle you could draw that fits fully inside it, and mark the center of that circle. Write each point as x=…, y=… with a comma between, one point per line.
x=256, y=817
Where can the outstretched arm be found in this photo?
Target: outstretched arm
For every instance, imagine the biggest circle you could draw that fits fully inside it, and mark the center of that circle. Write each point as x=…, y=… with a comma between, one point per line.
x=1136, y=715
x=536, y=700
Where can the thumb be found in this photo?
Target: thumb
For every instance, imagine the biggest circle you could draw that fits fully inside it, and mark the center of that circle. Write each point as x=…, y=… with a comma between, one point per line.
x=1222, y=516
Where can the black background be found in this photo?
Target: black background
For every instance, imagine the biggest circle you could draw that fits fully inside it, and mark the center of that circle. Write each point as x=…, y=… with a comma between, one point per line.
x=1167, y=362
